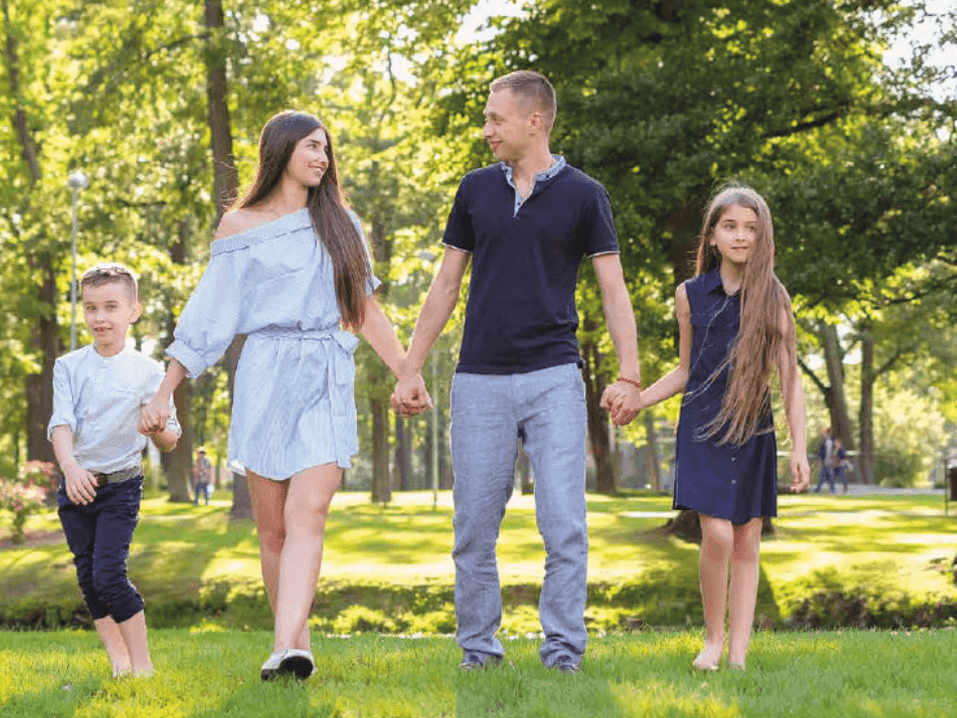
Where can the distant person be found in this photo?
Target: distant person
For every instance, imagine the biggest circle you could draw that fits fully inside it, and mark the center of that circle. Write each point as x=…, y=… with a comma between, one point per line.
x=735, y=325
x=840, y=466
x=289, y=268
x=525, y=224
x=825, y=453
x=203, y=471
x=98, y=393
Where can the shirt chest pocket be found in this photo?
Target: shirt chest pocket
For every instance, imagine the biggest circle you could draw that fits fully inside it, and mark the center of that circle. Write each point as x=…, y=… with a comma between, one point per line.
x=114, y=390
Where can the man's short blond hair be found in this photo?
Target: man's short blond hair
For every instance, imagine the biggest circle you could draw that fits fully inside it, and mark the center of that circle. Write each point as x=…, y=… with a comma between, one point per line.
x=109, y=273
x=533, y=86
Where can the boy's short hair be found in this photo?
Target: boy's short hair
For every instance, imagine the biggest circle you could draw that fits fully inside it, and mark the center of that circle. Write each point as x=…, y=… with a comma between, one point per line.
x=108, y=273
x=533, y=86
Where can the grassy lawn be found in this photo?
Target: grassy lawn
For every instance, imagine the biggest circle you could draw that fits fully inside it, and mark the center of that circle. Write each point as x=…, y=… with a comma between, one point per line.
x=207, y=674
x=389, y=568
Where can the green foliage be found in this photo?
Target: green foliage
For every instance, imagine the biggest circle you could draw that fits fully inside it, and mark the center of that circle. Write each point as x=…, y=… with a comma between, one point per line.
x=26, y=494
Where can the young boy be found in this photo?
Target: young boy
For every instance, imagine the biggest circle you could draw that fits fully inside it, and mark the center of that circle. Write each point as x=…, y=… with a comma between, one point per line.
x=98, y=392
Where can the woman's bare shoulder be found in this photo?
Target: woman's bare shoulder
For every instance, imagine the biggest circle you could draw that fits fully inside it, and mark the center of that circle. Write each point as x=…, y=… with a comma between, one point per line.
x=241, y=220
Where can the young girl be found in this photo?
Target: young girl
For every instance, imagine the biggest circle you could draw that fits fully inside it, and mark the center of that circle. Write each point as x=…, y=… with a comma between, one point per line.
x=735, y=323
x=287, y=268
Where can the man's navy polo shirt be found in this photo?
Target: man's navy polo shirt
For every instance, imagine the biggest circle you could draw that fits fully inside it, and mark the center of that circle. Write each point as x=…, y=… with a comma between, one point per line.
x=521, y=313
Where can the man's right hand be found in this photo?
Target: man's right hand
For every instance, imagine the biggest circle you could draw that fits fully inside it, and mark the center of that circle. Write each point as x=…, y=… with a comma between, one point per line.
x=80, y=484
x=410, y=396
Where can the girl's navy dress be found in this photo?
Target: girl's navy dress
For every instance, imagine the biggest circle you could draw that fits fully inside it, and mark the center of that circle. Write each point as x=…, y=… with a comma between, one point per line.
x=731, y=482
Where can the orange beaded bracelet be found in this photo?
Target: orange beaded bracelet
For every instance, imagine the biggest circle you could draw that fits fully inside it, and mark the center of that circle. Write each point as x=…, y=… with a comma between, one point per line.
x=630, y=381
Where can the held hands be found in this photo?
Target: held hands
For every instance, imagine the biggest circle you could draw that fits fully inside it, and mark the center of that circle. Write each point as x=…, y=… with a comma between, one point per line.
x=80, y=484
x=800, y=472
x=410, y=396
x=623, y=402
x=153, y=416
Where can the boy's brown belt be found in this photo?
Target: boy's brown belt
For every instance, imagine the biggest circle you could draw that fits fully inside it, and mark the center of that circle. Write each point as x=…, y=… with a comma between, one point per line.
x=116, y=476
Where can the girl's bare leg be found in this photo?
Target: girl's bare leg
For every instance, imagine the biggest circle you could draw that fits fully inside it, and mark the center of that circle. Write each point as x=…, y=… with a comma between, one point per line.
x=269, y=501
x=307, y=505
x=745, y=563
x=716, y=543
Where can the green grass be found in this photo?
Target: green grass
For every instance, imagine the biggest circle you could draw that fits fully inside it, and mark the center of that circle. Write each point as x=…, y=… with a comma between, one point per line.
x=389, y=568
x=209, y=674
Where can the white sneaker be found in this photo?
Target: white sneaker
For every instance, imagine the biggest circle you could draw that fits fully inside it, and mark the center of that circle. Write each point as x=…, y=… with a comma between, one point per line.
x=298, y=662
x=271, y=665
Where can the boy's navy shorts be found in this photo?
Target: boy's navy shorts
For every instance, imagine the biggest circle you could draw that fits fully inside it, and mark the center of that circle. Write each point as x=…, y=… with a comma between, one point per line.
x=99, y=536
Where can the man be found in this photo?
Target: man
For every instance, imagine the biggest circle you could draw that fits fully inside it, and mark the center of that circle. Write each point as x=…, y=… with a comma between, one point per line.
x=525, y=223
x=203, y=471
x=825, y=452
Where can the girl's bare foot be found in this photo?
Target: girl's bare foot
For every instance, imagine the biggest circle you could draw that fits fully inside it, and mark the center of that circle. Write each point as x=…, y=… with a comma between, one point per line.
x=709, y=657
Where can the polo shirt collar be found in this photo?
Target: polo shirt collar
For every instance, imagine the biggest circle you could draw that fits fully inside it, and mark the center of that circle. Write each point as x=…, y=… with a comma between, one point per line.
x=557, y=166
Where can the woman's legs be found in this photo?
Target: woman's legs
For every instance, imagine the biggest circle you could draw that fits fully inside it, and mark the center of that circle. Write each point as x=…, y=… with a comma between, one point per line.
x=304, y=517
x=269, y=501
x=717, y=538
x=745, y=562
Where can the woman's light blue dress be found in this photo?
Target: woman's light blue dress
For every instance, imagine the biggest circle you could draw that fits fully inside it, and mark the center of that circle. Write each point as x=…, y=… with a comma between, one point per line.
x=731, y=482
x=293, y=396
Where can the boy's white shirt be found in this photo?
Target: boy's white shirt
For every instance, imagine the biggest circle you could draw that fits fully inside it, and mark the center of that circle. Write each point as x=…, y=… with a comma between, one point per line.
x=100, y=398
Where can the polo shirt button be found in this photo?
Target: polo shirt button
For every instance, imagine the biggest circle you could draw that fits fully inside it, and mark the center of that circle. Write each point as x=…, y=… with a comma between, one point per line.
x=734, y=481
x=734, y=458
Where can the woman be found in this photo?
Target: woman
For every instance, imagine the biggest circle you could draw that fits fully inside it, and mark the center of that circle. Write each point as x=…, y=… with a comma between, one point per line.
x=288, y=268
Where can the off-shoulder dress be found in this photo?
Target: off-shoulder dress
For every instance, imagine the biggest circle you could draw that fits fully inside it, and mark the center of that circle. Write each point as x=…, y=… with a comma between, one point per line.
x=293, y=397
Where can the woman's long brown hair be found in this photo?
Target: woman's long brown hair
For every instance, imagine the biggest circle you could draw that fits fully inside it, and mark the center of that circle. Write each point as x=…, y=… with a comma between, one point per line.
x=766, y=329
x=327, y=207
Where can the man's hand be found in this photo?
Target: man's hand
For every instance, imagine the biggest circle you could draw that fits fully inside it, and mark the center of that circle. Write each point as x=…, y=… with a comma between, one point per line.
x=80, y=484
x=623, y=402
x=410, y=396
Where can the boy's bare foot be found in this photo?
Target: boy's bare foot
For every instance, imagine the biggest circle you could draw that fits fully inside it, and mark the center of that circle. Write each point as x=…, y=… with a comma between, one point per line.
x=144, y=672
x=121, y=671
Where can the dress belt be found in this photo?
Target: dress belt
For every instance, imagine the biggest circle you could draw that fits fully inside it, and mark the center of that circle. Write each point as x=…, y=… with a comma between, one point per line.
x=341, y=374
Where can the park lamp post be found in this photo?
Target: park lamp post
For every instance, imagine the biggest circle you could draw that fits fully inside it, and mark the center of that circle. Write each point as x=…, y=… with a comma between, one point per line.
x=77, y=182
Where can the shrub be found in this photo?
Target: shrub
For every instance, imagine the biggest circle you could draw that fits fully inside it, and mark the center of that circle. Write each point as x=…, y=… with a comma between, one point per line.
x=26, y=494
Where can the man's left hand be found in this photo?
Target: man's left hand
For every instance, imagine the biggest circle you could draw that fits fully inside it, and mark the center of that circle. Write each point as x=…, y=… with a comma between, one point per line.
x=623, y=402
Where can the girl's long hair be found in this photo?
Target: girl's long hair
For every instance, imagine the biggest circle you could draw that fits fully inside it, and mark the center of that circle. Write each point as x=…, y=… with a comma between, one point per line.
x=766, y=329
x=327, y=207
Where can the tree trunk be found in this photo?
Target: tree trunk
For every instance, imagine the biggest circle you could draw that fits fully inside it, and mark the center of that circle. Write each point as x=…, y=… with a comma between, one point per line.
x=866, y=414
x=378, y=390
x=179, y=462
x=598, y=433
x=381, y=484
x=225, y=174
x=38, y=388
x=653, y=457
x=403, y=462
x=225, y=186
x=836, y=399
x=525, y=473
x=687, y=525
